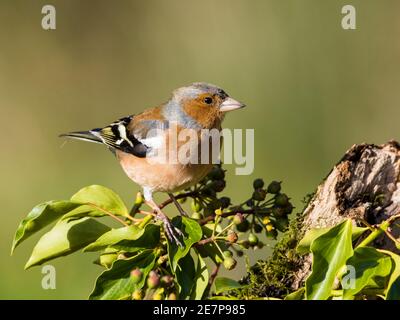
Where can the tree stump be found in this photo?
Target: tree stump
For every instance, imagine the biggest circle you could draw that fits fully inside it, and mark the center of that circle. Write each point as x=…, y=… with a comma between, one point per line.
x=364, y=185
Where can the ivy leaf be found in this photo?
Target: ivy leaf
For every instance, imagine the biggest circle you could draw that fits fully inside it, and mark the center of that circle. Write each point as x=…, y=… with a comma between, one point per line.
x=99, y=198
x=185, y=276
x=41, y=216
x=210, y=250
x=296, y=295
x=67, y=236
x=114, y=236
x=192, y=232
x=368, y=263
x=305, y=243
x=202, y=277
x=330, y=252
x=223, y=298
x=116, y=283
x=150, y=239
x=393, y=287
x=225, y=284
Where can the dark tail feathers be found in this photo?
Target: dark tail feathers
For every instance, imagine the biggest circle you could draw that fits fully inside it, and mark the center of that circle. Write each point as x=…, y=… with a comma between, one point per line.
x=83, y=135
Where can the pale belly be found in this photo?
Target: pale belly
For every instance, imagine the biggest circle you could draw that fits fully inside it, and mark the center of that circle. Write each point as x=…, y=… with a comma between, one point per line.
x=163, y=177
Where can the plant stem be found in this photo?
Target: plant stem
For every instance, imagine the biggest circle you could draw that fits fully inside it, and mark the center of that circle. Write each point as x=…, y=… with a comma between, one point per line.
x=145, y=221
x=376, y=233
x=109, y=213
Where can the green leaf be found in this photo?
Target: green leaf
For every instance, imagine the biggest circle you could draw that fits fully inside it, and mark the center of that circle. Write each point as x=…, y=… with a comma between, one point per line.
x=100, y=198
x=116, y=283
x=64, y=238
x=393, y=287
x=305, y=243
x=210, y=250
x=150, y=239
x=223, y=298
x=192, y=232
x=330, y=252
x=185, y=276
x=201, y=277
x=114, y=236
x=368, y=263
x=41, y=216
x=225, y=284
x=296, y=295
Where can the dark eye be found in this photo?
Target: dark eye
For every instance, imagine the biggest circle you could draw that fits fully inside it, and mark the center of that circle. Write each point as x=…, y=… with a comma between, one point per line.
x=208, y=100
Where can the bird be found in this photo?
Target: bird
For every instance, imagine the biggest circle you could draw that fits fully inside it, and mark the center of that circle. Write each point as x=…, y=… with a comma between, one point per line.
x=141, y=143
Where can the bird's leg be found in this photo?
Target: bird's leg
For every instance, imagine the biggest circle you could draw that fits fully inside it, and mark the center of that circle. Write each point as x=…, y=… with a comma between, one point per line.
x=178, y=206
x=172, y=232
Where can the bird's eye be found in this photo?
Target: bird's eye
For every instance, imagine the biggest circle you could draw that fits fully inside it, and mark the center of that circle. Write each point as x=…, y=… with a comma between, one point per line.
x=208, y=100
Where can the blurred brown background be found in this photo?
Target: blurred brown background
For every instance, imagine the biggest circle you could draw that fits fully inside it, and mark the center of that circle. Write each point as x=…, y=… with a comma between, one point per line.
x=312, y=90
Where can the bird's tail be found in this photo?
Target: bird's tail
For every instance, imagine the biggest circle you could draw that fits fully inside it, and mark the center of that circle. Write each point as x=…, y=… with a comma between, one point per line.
x=83, y=135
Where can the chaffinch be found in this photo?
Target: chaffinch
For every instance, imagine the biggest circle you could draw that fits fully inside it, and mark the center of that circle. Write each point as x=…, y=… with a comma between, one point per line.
x=140, y=141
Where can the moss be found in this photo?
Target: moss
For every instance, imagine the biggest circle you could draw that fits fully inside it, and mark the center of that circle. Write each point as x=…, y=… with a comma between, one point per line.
x=274, y=276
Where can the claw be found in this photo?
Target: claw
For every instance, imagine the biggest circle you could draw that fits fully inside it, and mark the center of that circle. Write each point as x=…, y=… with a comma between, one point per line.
x=171, y=231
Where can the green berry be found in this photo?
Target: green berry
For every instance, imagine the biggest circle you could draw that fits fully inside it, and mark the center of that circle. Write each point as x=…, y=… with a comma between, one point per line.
x=278, y=212
x=243, y=227
x=136, y=275
x=253, y=240
x=230, y=263
x=259, y=195
x=281, y=200
x=274, y=187
x=238, y=218
x=216, y=173
x=227, y=254
x=153, y=280
x=218, y=185
x=258, y=184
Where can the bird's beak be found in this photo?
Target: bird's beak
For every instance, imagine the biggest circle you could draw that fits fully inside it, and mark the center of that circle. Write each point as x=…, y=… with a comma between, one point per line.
x=230, y=104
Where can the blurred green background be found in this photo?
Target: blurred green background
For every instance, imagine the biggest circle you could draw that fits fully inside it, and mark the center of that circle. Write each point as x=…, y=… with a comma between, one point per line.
x=312, y=90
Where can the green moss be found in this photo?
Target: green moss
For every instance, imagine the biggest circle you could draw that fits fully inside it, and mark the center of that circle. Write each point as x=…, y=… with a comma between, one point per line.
x=274, y=276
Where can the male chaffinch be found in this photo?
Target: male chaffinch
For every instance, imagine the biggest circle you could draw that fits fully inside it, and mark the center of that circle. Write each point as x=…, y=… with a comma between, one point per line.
x=138, y=141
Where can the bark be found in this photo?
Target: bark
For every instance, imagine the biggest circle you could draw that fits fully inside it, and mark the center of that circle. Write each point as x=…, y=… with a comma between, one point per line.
x=364, y=185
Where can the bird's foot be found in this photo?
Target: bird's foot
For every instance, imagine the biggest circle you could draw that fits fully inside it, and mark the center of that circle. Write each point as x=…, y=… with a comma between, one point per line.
x=172, y=232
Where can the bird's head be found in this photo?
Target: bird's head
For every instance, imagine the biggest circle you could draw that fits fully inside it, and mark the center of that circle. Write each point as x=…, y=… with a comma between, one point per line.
x=204, y=101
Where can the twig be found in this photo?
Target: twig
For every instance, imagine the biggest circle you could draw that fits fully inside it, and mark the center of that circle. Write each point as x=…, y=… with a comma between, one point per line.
x=179, y=196
x=225, y=214
x=108, y=213
x=213, y=275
